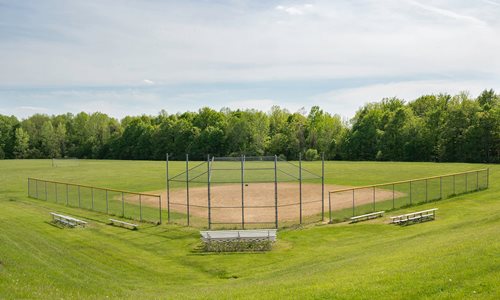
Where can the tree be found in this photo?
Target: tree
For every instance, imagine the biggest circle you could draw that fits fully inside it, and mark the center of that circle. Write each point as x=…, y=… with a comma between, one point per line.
x=363, y=139
x=8, y=126
x=394, y=129
x=311, y=154
x=247, y=132
x=21, y=144
x=295, y=133
x=429, y=128
x=49, y=141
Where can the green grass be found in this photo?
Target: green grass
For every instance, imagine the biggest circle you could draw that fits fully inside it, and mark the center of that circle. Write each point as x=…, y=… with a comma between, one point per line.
x=454, y=257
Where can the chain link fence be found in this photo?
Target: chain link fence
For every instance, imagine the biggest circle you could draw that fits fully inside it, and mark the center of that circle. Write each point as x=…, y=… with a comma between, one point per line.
x=245, y=192
x=350, y=202
x=125, y=204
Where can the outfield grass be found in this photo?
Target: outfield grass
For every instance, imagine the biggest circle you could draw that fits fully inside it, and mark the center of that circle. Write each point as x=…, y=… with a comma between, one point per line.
x=454, y=257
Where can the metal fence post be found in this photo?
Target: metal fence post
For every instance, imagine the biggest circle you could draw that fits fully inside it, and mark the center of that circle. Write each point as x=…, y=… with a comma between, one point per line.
x=426, y=193
x=487, y=177
x=440, y=188
x=477, y=180
x=373, y=199
x=276, y=189
x=159, y=205
x=410, y=192
x=243, y=191
x=36, y=188
x=300, y=189
x=140, y=207
x=168, y=190
x=322, y=186
x=208, y=194
x=29, y=190
x=330, y=206
x=454, y=193
x=353, y=206
x=393, y=197
x=187, y=187
x=466, y=178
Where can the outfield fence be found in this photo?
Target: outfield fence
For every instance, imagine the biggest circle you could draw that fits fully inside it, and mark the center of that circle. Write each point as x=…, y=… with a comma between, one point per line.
x=126, y=204
x=349, y=202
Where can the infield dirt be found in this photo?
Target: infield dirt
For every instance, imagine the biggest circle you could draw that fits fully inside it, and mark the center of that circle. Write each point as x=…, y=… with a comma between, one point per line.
x=259, y=201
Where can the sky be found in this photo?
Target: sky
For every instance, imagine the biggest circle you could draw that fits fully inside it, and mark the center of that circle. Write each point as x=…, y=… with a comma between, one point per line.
x=131, y=57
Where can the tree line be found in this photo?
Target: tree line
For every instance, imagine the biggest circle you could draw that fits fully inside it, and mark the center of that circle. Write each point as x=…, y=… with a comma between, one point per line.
x=431, y=128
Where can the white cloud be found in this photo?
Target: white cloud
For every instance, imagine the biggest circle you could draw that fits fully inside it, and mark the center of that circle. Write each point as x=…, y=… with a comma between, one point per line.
x=94, y=45
x=447, y=13
x=295, y=9
x=230, y=43
x=492, y=2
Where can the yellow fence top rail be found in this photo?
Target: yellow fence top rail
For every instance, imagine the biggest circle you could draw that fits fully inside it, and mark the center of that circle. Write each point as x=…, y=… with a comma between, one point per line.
x=95, y=187
x=403, y=181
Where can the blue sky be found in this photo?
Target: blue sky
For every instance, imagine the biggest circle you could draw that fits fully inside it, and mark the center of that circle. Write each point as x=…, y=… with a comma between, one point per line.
x=139, y=57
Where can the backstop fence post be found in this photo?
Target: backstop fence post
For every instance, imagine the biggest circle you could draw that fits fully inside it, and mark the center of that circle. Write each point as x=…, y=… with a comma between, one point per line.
x=140, y=208
x=168, y=189
x=276, y=189
x=373, y=199
x=187, y=187
x=159, y=207
x=393, y=197
x=300, y=188
x=208, y=193
x=29, y=190
x=243, y=191
x=36, y=188
x=353, y=206
x=323, y=186
x=330, y=206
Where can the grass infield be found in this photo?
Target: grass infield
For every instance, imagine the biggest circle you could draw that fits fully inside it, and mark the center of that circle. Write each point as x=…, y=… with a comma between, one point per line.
x=454, y=257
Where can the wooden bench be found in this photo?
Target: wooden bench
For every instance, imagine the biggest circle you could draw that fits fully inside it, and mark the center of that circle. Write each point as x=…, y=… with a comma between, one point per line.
x=414, y=217
x=67, y=220
x=238, y=240
x=124, y=224
x=367, y=216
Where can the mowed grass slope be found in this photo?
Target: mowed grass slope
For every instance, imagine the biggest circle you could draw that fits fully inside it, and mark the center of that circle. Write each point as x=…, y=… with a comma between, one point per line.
x=455, y=257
